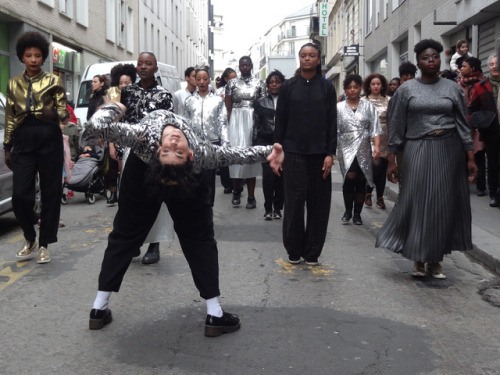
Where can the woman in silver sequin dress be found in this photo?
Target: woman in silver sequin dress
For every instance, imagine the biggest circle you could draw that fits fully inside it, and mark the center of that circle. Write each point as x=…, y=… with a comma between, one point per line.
x=357, y=124
x=375, y=87
x=241, y=93
x=427, y=120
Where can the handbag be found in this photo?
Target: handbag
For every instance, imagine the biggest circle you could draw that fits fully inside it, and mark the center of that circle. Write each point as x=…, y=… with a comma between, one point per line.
x=482, y=120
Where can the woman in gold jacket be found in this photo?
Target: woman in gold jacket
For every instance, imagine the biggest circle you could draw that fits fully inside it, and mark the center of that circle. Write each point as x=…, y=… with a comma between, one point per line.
x=36, y=103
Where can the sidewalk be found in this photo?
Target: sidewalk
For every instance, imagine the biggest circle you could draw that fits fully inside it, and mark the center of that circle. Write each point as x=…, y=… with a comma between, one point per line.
x=485, y=227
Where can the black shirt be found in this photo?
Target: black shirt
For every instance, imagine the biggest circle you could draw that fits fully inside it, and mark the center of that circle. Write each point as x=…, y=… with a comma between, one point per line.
x=306, y=117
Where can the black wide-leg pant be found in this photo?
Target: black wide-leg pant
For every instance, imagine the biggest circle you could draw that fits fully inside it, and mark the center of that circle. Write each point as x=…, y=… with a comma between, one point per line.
x=272, y=186
x=37, y=148
x=137, y=211
x=305, y=187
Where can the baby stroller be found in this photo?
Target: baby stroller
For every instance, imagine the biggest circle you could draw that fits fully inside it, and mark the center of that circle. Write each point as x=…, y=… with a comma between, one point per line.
x=87, y=176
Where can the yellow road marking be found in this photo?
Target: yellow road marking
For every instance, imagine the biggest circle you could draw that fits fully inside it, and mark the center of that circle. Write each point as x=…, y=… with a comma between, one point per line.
x=323, y=269
x=13, y=275
x=15, y=239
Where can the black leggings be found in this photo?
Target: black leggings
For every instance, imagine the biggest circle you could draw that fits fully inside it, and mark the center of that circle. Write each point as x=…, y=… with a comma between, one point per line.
x=354, y=188
x=379, y=176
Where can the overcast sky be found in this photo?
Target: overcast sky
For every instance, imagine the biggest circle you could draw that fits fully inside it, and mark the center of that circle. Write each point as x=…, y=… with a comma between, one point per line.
x=246, y=21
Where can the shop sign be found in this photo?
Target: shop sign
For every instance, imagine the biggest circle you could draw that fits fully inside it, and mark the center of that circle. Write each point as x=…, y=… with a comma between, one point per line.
x=58, y=57
x=323, y=19
x=351, y=50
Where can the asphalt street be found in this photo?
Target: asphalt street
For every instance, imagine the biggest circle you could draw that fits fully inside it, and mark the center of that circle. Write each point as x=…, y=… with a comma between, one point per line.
x=359, y=312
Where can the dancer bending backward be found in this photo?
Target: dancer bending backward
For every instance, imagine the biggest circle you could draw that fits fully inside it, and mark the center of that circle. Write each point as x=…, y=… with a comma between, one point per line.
x=357, y=124
x=306, y=127
x=169, y=162
x=427, y=120
x=241, y=93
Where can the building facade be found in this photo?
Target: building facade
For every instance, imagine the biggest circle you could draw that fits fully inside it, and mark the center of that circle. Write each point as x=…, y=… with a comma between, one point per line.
x=81, y=32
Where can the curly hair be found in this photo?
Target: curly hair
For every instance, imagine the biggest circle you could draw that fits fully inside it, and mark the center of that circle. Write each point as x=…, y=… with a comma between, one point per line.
x=277, y=75
x=122, y=70
x=159, y=176
x=407, y=68
x=474, y=63
x=427, y=43
x=356, y=78
x=368, y=80
x=223, y=78
x=32, y=39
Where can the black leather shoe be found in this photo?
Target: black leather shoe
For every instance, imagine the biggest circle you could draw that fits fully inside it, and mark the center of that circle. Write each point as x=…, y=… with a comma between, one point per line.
x=152, y=255
x=99, y=318
x=227, y=323
x=228, y=190
x=356, y=219
x=493, y=202
x=347, y=216
x=251, y=203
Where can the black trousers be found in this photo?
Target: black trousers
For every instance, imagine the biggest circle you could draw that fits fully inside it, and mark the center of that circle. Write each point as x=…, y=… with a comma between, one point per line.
x=480, y=159
x=272, y=186
x=137, y=211
x=304, y=186
x=225, y=180
x=493, y=165
x=37, y=148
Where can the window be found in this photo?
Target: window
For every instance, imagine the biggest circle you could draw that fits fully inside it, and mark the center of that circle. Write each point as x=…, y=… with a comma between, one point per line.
x=66, y=7
x=82, y=12
x=369, y=14
x=130, y=29
x=386, y=8
x=397, y=3
x=110, y=20
x=377, y=13
x=121, y=23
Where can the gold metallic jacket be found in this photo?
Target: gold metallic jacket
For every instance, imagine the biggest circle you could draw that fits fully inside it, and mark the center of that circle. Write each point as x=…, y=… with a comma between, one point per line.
x=42, y=96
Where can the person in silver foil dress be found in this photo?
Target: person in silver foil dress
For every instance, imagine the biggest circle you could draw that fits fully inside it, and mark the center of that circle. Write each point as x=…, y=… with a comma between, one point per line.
x=357, y=124
x=427, y=120
x=206, y=113
x=175, y=159
x=375, y=87
x=241, y=93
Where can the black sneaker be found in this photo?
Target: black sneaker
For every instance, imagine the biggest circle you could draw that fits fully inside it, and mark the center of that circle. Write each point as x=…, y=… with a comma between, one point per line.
x=227, y=323
x=268, y=215
x=277, y=215
x=251, y=203
x=347, y=216
x=356, y=219
x=236, y=201
x=99, y=318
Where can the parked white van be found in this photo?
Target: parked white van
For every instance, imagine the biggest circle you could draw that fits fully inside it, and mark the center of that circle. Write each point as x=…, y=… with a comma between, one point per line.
x=166, y=76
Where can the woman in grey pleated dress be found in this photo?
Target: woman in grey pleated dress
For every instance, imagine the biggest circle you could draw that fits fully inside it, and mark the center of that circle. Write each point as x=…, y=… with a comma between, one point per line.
x=427, y=120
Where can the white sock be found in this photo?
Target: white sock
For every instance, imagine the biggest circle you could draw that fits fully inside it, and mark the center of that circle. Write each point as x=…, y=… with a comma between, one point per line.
x=213, y=307
x=101, y=301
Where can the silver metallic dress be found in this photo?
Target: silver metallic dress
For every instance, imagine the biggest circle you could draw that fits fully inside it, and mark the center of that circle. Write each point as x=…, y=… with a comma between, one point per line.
x=432, y=216
x=208, y=117
x=144, y=139
x=355, y=129
x=244, y=92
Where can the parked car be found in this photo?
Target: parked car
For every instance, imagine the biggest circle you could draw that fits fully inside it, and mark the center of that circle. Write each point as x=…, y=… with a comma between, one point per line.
x=6, y=173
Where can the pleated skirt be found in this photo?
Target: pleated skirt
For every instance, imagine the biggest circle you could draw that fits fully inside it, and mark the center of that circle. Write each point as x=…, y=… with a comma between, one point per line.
x=432, y=215
x=240, y=134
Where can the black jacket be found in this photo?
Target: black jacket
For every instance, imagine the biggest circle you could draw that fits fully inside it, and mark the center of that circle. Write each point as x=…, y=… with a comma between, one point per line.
x=263, y=121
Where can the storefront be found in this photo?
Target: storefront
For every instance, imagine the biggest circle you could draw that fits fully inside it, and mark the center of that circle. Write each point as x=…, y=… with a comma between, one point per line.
x=65, y=64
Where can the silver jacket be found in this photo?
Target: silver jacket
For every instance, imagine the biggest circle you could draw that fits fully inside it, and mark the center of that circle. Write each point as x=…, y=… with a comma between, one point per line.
x=245, y=91
x=355, y=130
x=208, y=117
x=144, y=139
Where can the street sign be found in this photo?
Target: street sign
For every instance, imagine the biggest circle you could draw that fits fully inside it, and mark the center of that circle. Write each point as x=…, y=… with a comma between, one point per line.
x=351, y=50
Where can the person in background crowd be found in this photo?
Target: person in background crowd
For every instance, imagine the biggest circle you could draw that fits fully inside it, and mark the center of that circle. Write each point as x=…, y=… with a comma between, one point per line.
x=306, y=127
x=393, y=86
x=99, y=86
x=171, y=160
x=375, y=85
x=447, y=74
x=241, y=94
x=432, y=216
x=181, y=95
x=227, y=75
x=121, y=75
x=140, y=99
x=33, y=143
x=407, y=71
x=462, y=52
x=485, y=98
x=206, y=113
x=263, y=134
x=357, y=122
x=470, y=74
